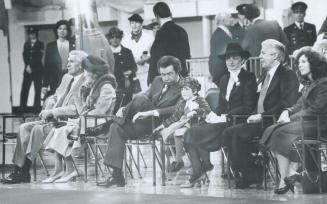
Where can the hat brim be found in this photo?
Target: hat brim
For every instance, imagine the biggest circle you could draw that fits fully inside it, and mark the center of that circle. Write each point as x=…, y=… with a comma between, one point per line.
x=244, y=54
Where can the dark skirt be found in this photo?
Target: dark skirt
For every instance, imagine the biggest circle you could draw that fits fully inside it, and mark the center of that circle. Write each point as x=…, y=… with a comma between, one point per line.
x=279, y=138
x=206, y=136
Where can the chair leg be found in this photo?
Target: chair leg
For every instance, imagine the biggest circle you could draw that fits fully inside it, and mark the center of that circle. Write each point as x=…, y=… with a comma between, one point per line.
x=133, y=161
x=85, y=163
x=34, y=169
x=43, y=165
x=154, y=161
x=163, y=170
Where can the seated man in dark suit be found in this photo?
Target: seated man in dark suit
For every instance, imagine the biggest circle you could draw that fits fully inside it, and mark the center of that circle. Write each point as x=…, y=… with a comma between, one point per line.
x=134, y=120
x=277, y=89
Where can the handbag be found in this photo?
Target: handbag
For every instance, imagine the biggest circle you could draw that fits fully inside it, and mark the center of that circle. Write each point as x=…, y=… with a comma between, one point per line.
x=136, y=86
x=310, y=182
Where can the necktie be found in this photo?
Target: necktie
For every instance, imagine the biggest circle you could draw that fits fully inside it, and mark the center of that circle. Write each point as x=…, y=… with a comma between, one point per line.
x=163, y=91
x=301, y=26
x=263, y=93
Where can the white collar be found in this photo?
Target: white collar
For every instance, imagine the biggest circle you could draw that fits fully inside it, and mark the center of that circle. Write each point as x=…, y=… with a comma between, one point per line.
x=298, y=24
x=116, y=49
x=272, y=71
x=224, y=28
x=165, y=20
x=234, y=74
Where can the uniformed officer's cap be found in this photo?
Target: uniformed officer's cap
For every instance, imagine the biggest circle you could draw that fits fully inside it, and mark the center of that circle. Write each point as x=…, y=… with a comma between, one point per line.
x=299, y=7
x=241, y=9
x=32, y=30
x=251, y=11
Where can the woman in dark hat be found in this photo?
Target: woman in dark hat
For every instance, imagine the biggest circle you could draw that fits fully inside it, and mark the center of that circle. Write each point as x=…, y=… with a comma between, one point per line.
x=56, y=57
x=237, y=97
x=125, y=66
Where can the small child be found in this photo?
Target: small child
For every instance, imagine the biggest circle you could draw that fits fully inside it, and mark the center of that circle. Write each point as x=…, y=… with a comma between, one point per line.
x=191, y=106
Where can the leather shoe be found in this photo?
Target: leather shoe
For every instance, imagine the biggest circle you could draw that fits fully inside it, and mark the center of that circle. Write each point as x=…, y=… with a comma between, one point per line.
x=291, y=180
x=18, y=178
x=282, y=190
x=113, y=181
x=176, y=166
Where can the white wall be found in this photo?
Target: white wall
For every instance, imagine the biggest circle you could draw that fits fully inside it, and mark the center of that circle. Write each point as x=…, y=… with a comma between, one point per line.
x=5, y=105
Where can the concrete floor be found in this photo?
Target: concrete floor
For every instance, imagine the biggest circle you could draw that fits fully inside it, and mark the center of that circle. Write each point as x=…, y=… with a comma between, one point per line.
x=142, y=191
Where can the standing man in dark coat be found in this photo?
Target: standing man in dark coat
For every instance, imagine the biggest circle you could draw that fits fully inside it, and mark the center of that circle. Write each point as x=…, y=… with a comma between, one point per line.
x=32, y=55
x=300, y=33
x=259, y=31
x=277, y=90
x=171, y=39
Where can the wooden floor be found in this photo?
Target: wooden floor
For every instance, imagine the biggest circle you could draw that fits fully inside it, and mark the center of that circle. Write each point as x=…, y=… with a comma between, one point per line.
x=142, y=191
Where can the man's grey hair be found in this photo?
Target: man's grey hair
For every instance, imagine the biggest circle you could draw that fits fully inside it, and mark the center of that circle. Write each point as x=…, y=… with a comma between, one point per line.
x=321, y=47
x=78, y=55
x=281, y=49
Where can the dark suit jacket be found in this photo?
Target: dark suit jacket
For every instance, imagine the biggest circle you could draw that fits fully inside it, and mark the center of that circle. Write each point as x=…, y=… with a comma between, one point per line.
x=238, y=33
x=259, y=31
x=242, y=100
x=312, y=102
x=33, y=56
x=53, y=72
x=323, y=27
x=124, y=61
x=299, y=38
x=282, y=92
x=166, y=105
x=171, y=39
x=218, y=43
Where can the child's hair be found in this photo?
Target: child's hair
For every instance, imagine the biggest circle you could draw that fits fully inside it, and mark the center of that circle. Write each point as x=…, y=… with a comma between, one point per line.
x=192, y=84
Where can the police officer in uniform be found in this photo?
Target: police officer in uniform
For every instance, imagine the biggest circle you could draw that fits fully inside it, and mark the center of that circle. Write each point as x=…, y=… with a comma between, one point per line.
x=300, y=33
x=32, y=55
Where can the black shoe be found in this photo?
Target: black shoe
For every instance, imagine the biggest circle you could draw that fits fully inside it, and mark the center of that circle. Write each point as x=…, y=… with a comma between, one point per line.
x=18, y=178
x=176, y=166
x=113, y=181
x=291, y=180
x=241, y=183
x=207, y=167
x=282, y=190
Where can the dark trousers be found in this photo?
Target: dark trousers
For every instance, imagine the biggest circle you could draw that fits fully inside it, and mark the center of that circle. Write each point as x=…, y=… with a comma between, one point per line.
x=36, y=78
x=238, y=140
x=125, y=129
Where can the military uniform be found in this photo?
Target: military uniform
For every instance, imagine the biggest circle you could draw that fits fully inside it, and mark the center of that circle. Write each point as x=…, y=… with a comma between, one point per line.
x=299, y=38
x=32, y=55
